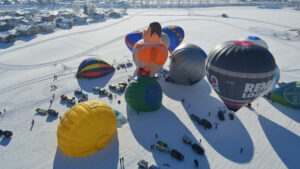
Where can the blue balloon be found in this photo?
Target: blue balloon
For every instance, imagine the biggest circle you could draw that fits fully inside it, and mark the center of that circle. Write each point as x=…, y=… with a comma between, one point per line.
x=132, y=38
x=176, y=35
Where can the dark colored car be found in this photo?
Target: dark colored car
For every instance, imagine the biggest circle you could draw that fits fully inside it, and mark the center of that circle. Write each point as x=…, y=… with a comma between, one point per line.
x=224, y=15
x=7, y=133
x=1, y=132
x=52, y=112
x=206, y=123
x=176, y=154
x=143, y=164
x=78, y=92
x=198, y=149
x=221, y=115
x=194, y=117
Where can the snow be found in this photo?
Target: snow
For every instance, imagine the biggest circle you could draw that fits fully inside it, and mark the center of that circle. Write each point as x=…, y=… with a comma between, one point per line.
x=269, y=134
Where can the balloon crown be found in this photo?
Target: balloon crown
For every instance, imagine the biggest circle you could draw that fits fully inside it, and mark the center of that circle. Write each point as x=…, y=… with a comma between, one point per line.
x=242, y=43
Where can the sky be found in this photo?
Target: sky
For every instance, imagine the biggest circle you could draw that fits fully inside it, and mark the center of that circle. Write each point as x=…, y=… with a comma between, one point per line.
x=268, y=134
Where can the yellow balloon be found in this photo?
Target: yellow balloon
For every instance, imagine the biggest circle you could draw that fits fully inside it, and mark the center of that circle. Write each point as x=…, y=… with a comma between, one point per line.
x=86, y=128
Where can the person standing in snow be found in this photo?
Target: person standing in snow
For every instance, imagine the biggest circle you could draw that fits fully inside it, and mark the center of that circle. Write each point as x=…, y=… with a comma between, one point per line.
x=196, y=163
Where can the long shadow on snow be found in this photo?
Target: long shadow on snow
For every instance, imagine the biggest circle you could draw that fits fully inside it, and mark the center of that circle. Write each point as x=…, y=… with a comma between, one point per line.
x=170, y=130
x=88, y=84
x=230, y=135
x=107, y=157
x=285, y=143
x=291, y=113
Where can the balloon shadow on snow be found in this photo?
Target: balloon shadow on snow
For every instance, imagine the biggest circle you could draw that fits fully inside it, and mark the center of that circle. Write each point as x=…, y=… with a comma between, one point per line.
x=108, y=157
x=88, y=84
x=285, y=143
x=230, y=135
x=289, y=112
x=170, y=130
x=179, y=92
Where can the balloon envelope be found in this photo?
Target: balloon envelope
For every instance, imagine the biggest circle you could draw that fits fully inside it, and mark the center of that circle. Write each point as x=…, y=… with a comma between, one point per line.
x=144, y=94
x=256, y=40
x=93, y=68
x=175, y=34
x=240, y=71
x=187, y=64
x=86, y=128
x=288, y=95
x=149, y=56
x=133, y=37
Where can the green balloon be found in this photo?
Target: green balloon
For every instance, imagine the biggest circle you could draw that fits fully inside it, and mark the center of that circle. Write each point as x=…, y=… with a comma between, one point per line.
x=144, y=94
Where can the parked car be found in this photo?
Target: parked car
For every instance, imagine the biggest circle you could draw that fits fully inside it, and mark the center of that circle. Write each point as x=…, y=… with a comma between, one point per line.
x=162, y=146
x=221, y=115
x=7, y=133
x=198, y=149
x=63, y=97
x=224, y=15
x=206, y=123
x=1, y=132
x=52, y=112
x=78, y=92
x=143, y=164
x=103, y=92
x=186, y=139
x=177, y=155
x=194, y=117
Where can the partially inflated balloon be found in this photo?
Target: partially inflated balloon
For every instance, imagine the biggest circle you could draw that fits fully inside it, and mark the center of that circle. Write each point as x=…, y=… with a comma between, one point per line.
x=187, y=64
x=175, y=34
x=240, y=71
x=86, y=128
x=144, y=94
x=288, y=95
x=93, y=68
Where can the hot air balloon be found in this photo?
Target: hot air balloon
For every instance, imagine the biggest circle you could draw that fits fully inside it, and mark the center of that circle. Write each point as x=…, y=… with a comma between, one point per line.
x=288, y=95
x=149, y=56
x=86, y=128
x=240, y=71
x=175, y=34
x=144, y=94
x=187, y=64
x=256, y=40
x=93, y=68
x=133, y=37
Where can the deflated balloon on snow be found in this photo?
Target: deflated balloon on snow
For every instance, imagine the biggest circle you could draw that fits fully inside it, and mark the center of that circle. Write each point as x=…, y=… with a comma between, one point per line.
x=240, y=71
x=144, y=94
x=187, y=64
x=93, y=68
x=86, y=128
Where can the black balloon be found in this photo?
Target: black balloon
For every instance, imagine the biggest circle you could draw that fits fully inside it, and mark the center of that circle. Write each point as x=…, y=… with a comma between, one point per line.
x=240, y=72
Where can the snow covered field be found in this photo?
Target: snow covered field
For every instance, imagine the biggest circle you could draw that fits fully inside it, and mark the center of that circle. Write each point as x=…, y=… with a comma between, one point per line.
x=269, y=135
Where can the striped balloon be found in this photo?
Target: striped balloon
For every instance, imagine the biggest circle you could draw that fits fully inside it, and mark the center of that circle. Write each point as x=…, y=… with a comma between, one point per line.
x=93, y=68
